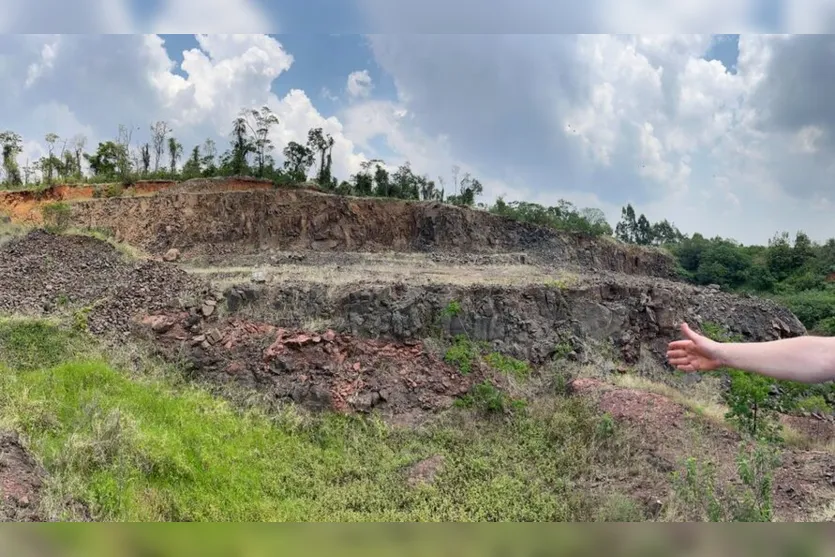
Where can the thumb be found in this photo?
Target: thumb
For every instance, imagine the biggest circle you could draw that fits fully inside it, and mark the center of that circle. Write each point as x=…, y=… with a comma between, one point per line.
x=690, y=334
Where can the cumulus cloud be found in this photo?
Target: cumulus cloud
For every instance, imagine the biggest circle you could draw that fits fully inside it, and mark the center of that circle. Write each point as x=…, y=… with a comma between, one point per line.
x=359, y=84
x=94, y=83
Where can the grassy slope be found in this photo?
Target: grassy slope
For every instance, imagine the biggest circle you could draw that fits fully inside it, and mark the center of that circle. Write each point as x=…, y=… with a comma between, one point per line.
x=152, y=447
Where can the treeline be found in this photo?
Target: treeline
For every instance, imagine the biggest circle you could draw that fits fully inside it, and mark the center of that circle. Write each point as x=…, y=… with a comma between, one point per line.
x=796, y=271
x=250, y=152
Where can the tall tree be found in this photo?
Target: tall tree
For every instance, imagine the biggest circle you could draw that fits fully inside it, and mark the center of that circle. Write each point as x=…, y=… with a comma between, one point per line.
x=175, y=151
x=241, y=147
x=259, y=124
x=145, y=155
x=11, y=143
x=322, y=145
x=159, y=131
x=191, y=168
x=297, y=161
x=208, y=152
x=77, y=144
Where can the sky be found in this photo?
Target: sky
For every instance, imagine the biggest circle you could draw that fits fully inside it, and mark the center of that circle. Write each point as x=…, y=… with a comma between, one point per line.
x=728, y=135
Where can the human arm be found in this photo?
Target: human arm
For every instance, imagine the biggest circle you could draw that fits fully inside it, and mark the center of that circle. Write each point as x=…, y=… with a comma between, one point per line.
x=807, y=359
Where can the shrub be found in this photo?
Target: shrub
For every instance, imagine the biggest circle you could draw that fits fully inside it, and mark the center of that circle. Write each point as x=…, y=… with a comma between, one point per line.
x=486, y=397
x=813, y=403
x=462, y=354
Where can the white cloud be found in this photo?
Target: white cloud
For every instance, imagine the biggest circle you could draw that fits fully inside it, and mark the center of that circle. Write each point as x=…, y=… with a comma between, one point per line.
x=359, y=84
x=89, y=90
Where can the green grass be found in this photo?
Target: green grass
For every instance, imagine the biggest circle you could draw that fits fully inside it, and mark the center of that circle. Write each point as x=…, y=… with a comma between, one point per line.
x=152, y=447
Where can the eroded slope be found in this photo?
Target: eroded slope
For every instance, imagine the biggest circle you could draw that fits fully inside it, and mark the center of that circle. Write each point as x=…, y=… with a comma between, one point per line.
x=222, y=226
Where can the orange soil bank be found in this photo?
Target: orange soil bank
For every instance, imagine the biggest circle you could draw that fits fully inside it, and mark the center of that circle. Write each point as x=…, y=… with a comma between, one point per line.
x=24, y=206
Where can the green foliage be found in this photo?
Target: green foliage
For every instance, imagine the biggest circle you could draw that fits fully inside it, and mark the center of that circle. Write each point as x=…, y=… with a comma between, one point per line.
x=696, y=490
x=508, y=365
x=749, y=405
x=452, y=309
x=563, y=216
x=487, y=398
x=56, y=216
x=640, y=231
x=813, y=403
x=462, y=354
x=814, y=308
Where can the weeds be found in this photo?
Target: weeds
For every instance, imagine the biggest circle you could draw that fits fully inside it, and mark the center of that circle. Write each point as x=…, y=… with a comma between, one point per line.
x=462, y=354
x=486, y=397
x=508, y=365
x=697, y=492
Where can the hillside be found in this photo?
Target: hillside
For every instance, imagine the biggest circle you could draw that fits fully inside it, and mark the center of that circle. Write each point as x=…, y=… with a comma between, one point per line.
x=229, y=350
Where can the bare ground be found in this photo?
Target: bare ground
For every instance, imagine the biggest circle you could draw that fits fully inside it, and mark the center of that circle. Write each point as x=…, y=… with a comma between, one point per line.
x=21, y=482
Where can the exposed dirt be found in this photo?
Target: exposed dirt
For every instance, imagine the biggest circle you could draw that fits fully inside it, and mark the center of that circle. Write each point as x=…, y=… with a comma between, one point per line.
x=403, y=381
x=230, y=223
x=21, y=481
x=668, y=433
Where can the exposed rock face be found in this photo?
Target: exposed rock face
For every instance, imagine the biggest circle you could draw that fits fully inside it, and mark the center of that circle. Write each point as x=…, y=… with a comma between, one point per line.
x=242, y=222
x=527, y=322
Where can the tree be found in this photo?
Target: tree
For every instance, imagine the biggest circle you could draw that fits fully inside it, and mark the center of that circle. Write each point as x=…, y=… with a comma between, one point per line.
x=106, y=160
x=627, y=229
x=175, y=151
x=297, y=161
x=159, y=130
x=236, y=161
x=208, y=153
x=191, y=169
x=145, y=155
x=11, y=143
x=382, y=186
x=77, y=144
x=363, y=181
x=468, y=189
x=50, y=163
x=259, y=124
x=320, y=143
x=124, y=139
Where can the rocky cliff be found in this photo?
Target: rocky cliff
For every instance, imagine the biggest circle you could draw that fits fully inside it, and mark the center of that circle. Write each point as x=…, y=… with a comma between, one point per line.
x=244, y=222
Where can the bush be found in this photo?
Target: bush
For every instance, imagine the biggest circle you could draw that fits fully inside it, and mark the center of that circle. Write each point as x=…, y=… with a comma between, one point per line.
x=486, y=397
x=462, y=354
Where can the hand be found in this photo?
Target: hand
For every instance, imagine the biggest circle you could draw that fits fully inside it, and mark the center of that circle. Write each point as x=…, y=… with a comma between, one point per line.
x=694, y=353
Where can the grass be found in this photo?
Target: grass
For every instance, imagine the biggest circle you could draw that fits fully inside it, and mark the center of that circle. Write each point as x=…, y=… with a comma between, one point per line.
x=153, y=447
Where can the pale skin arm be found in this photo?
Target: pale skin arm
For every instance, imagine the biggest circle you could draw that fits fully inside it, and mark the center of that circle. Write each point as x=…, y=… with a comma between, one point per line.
x=807, y=359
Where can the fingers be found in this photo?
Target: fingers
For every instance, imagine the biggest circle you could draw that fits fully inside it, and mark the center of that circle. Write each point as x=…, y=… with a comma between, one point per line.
x=676, y=354
x=680, y=345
